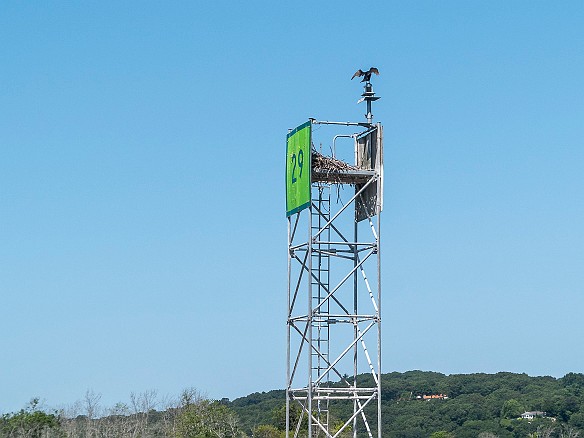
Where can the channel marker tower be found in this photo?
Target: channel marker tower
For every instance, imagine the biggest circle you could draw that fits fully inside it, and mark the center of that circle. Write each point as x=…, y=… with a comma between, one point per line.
x=334, y=199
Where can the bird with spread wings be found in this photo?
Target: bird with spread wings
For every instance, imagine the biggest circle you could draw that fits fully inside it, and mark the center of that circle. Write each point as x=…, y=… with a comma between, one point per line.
x=366, y=74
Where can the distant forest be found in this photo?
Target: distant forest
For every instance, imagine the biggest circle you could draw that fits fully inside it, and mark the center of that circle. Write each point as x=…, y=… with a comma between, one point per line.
x=415, y=404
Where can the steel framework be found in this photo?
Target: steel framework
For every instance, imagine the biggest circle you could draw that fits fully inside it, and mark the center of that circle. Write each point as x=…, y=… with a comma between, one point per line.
x=334, y=306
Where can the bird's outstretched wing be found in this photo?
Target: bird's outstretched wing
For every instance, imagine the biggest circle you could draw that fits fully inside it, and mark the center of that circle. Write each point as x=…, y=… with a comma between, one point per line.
x=374, y=70
x=358, y=73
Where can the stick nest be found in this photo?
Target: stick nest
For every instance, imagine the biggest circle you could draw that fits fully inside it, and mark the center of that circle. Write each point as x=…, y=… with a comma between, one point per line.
x=330, y=170
x=329, y=165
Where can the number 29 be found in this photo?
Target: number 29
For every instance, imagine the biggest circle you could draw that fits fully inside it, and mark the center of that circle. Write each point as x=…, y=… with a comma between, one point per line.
x=297, y=162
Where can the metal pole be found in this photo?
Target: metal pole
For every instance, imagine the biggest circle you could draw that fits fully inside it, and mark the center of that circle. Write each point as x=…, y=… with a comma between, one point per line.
x=355, y=312
x=309, y=322
x=329, y=122
x=288, y=322
x=288, y=334
x=378, y=239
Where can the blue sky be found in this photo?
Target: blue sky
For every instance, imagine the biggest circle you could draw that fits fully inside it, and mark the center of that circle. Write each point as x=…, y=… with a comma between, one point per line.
x=142, y=226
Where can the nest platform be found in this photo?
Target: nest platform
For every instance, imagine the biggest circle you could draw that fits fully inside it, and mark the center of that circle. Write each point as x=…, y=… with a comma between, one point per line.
x=334, y=171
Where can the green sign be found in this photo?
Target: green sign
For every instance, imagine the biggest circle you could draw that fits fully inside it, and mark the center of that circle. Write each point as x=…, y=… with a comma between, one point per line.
x=298, y=169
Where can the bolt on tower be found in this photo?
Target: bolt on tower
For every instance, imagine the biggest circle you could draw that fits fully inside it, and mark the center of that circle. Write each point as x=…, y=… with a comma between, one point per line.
x=334, y=199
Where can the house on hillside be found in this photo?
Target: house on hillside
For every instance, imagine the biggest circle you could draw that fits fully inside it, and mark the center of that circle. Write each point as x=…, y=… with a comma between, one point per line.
x=530, y=415
x=432, y=397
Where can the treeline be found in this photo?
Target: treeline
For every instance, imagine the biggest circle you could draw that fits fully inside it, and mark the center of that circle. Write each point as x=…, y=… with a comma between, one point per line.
x=489, y=405
x=482, y=403
x=145, y=416
x=463, y=406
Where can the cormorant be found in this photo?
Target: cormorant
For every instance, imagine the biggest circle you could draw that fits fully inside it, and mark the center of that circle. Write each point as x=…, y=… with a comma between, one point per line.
x=366, y=74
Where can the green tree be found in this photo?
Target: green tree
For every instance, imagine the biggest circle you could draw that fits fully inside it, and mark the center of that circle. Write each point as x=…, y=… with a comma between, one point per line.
x=486, y=435
x=31, y=422
x=336, y=426
x=512, y=409
x=573, y=379
x=279, y=417
x=442, y=434
x=577, y=420
x=267, y=431
x=207, y=419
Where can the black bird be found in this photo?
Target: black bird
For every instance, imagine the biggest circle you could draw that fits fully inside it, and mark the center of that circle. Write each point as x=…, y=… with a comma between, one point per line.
x=366, y=74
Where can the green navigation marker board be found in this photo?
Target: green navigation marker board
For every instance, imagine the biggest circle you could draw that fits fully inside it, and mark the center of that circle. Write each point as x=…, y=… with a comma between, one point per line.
x=298, y=169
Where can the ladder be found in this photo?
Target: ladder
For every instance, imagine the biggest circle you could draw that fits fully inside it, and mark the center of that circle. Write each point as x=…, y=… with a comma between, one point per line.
x=321, y=214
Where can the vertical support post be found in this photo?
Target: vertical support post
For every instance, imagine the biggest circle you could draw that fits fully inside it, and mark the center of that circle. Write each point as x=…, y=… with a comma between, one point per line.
x=379, y=424
x=368, y=96
x=355, y=313
x=309, y=318
x=288, y=322
x=378, y=211
x=288, y=332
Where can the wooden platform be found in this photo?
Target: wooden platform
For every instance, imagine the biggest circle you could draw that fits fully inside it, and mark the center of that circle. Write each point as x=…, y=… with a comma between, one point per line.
x=342, y=176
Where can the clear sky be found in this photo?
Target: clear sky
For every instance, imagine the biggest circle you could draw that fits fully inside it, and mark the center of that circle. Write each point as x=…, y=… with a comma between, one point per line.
x=142, y=205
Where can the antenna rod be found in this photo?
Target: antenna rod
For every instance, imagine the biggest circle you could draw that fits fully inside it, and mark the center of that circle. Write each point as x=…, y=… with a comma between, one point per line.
x=369, y=115
x=368, y=96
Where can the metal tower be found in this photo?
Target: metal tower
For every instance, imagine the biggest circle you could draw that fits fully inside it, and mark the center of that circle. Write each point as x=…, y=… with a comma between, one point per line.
x=334, y=279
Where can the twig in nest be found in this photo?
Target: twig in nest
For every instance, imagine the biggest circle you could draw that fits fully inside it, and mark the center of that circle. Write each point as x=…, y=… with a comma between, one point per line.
x=322, y=163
